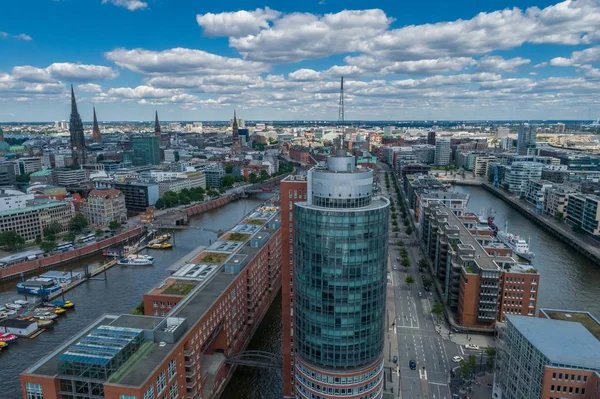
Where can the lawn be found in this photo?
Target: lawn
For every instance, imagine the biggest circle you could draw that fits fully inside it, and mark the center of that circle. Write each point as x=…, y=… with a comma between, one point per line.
x=257, y=222
x=582, y=318
x=238, y=237
x=214, y=257
x=179, y=289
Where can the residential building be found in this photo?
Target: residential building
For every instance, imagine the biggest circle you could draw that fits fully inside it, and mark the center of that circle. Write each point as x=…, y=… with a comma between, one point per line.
x=214, y=174
x=104, y=206
x=29, y=165
x=29, y=222
x=526, y=139
x=341, y=216
x=138, y=196
x=443, y=152
x=146, y=150
x=481, y=163
x=518, y=173
x=583, y=212
x=535, y=191
x=557, y=198
x=554, y=356
x=293, y=189
x=13, y=199
x=194, y=320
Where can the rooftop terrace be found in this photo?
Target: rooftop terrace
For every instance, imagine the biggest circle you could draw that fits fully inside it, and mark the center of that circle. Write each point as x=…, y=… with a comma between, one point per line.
x=585, y=318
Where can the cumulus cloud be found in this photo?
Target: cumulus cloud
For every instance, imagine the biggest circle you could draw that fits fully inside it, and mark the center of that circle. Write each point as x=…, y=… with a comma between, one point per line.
x=304, y=75
x=561, y=62
x=588, y=56
x=236, y=24
x=181, y=61
x=499, y=64
x=540, y=65
x=21, y=36
x=90, y=88
x=418, y=67
x=131, y=5
x=64, y=71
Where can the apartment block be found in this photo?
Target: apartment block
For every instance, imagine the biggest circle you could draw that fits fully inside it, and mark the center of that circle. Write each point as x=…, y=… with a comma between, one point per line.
x=556, y=199
x=197, y=318
x=535, y=191
x=29, y=165
x=519, y=173
x=583, y=211
x=554, y=356
x=481, y=164
x=104, y=206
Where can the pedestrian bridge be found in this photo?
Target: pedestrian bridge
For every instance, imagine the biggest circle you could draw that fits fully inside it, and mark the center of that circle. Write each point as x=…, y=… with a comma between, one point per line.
x=256, y=359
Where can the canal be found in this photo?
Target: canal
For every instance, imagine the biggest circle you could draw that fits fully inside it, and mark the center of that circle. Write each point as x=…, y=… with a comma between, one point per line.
x=123, y=290
x=568, y=280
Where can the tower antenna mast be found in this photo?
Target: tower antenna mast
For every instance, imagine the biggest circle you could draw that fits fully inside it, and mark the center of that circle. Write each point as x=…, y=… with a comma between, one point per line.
x=341, y=113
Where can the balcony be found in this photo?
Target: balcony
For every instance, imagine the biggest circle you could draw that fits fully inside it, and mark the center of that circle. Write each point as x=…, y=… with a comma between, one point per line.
x=192, y=394
x=190, y=373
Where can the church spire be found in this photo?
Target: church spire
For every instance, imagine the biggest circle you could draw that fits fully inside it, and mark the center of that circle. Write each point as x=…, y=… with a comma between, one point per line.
x=96, y=129
x=76, y=133
x=156, y=124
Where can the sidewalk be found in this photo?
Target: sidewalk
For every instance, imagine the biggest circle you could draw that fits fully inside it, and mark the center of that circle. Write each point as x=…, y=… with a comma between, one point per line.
x=483, y=341
x=392, y=379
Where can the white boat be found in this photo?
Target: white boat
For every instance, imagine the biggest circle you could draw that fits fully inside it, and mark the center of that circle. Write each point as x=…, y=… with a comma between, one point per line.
x=22, y=302
x=10, y=312
x=133, y=260
x=13, y=306
x=45, y=316
x=519, y=246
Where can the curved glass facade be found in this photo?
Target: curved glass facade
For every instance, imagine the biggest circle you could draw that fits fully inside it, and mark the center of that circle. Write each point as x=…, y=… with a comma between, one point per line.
x=340, y=282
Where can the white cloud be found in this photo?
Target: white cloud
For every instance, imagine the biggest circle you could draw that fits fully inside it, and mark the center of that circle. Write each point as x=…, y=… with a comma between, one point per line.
x=541, y=65
x=181, y=61
x=90, y=88
x=236, y=24
x=64, y=71
x=588, y=56
x=21, y=36
x=419, y=67
x=561, y=62
x=131, y=5
x=304, y=75
x=499, y=64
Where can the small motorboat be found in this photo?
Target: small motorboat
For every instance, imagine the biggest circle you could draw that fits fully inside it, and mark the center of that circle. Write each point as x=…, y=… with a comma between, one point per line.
x=44, y=323
x=13, y=306
x=45, y=316
x=3, y=316
x=164, y=245
x=59, y=311
x=22, y=302
x=3, y=345
x=8, y=338
x=64, y=304
x=10, y=312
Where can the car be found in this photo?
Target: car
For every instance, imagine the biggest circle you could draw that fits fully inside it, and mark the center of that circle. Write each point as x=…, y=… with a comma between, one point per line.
x=472, y=346
x=420, y=294
x=395, y=359
x=427, y=288
x=395, y=267
x=412, y=364
x=457, y=359
x=397, y=258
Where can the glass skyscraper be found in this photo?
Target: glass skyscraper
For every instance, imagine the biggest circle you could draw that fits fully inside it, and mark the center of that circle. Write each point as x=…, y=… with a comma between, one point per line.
x=340, y=237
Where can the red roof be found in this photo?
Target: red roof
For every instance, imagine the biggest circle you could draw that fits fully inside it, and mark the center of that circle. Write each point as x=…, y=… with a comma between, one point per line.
x=110, y=192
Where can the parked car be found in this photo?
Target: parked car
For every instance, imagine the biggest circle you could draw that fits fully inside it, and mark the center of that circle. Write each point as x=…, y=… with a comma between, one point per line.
x=412, y=364
x=472, y=346
x=420, y=294
x=457, y=359
x=395, y=267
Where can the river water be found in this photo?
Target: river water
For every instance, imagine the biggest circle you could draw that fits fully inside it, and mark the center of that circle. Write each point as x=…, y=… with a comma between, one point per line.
x=568, y=280
x=122, y=291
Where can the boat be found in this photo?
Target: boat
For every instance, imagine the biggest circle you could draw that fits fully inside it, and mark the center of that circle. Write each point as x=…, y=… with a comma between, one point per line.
x=38, y=286
x=44, y=323
x=59, y=311
x=64, y=304
x=135, y=261
x=164, y=245
x=519, y=246
x=160, y=239
x=13, y=306
x=8, y=338
x=45, y=316
x=9, y=312
x=3, y=345
x=22, y=302
x=3, y=316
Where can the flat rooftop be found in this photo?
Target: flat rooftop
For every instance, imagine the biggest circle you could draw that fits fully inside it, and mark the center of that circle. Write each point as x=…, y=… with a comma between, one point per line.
x=563, y=342
x=585, y=318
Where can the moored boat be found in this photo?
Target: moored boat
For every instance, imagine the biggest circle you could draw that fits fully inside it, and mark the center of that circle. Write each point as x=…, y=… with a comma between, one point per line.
x=59, y=311
x=160, y=239
x=519, y=246
x=135, y=261
x=38, y=286
x=64, y=304
x=22, y=302
x=164, y=245
x=45, y=316
x=3, y=345
x=45, y=323
x=13, y=306
x=8, y=338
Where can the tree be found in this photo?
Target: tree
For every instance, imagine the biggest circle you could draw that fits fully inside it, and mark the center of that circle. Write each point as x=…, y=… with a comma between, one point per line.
x=100, y=157
x=252, y=178
x=409, y=230
x=170, y=199
x=11, y=240
x=427, y=282
x=437, y=309
x=69, y=237
x=422, y=263
x=559, y=217
x=78, y=223
x=184, y=199
x=114, y=225
x=99, y=233
x=491, y=357
x=227, y=181
x=48, y=246
x=212, y=193
x=228, y=169
x=23, y=178
x=264, y=175
x=405, y=262
x=468, y=367
x=160, y=204
x=409, y=280
x=52, y=230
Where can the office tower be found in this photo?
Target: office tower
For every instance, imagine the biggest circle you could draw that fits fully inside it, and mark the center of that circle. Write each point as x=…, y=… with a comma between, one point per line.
x=292, y=189
x=431, y=138
x=526, y=138
x=76, y=133
x=146, y=150
x=156, y=125
x=442, y=151
x=340, y=240
x=96, y=129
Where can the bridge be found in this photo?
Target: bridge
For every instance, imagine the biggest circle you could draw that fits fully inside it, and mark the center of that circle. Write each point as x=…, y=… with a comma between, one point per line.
x=256, y=359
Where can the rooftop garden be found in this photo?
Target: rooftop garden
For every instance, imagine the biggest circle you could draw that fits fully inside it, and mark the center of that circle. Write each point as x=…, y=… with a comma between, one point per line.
x=213, y=257
x=238, y=237
x=583, y=318
x=179, y=289
x=256, y=222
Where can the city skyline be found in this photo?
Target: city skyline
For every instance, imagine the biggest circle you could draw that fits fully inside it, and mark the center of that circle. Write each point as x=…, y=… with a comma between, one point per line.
x=502, y=60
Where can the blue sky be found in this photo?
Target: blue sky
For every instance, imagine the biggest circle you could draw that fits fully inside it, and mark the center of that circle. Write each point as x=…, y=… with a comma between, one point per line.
x=429, y=59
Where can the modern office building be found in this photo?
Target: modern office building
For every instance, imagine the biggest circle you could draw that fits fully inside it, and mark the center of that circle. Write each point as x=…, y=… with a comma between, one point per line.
x=556, y=199
x=535, y=191
x=519, y=173
x=138, y=196
x=554, y=356
x=443, y=152
x=29, y=165
x=146, y=149
x=583, y=211
x=67, y=177
x=195, y=321
x=431, y=138
x=293, y=189
x=214, y=175
x=29, y=222
x=481, y=163
x=340, y=268
x=13, y=199
x=104, y=206
x=7, y=173
x=526, y=139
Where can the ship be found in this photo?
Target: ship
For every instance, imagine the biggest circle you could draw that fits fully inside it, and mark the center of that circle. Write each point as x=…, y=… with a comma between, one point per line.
x=133, y=260
x=519, y=246
x=164, y=245
x=160, y=239
x=38, y=286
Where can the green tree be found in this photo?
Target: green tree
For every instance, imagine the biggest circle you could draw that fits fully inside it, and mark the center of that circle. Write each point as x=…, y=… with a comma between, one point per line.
x=184, y=199
x=400, y=243
x=264, y=175
x=227, y=181
x=427, y=281
x=252, y=178
x=405, y=262
x=423, y=263
x=52, y=230
x=559, y=217
x=11, y=240
x=78, y=223
x=212, y=193
x=139, y=309
x=38, y=240
x=170, y=199
x=409, y=280
x=100, y=157
x=491, y=357
x=228, y=169
x=23, y=178
x=99, y=233
x=272, y=140
x=409, y=230
x=114, y=225
x=48, y=246
x=437, y=309
x=160, y=204
x=69, y=237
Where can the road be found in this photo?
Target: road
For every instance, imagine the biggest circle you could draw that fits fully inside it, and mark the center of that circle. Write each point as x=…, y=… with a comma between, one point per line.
x=415, y=328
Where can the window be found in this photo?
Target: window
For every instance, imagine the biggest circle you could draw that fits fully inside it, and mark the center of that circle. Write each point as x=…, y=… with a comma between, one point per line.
x=172, y=369
x=34, y=391
x=127, y=397
x=161, y=382
x=173, y=391
x=149, y=394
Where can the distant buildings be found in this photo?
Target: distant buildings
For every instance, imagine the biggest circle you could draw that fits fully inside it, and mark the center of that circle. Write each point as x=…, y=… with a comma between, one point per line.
x=138, y=196
x=29, y=221
x=29, y=165
x=104, y=206
x=551, y=357
x=519, y=173
x=526, y=139
x=443, y=152
x=146, y=149
x=583, y=213
x=431, y=138
x=214, y=175
x=13, y=199
x=76, y=134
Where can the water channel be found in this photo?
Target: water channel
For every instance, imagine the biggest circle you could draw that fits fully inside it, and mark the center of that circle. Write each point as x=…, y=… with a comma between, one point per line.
x=568, y=280
x=121, y=292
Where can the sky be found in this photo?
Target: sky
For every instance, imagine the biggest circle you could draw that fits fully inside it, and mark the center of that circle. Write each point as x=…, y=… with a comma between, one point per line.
x=283, y=60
